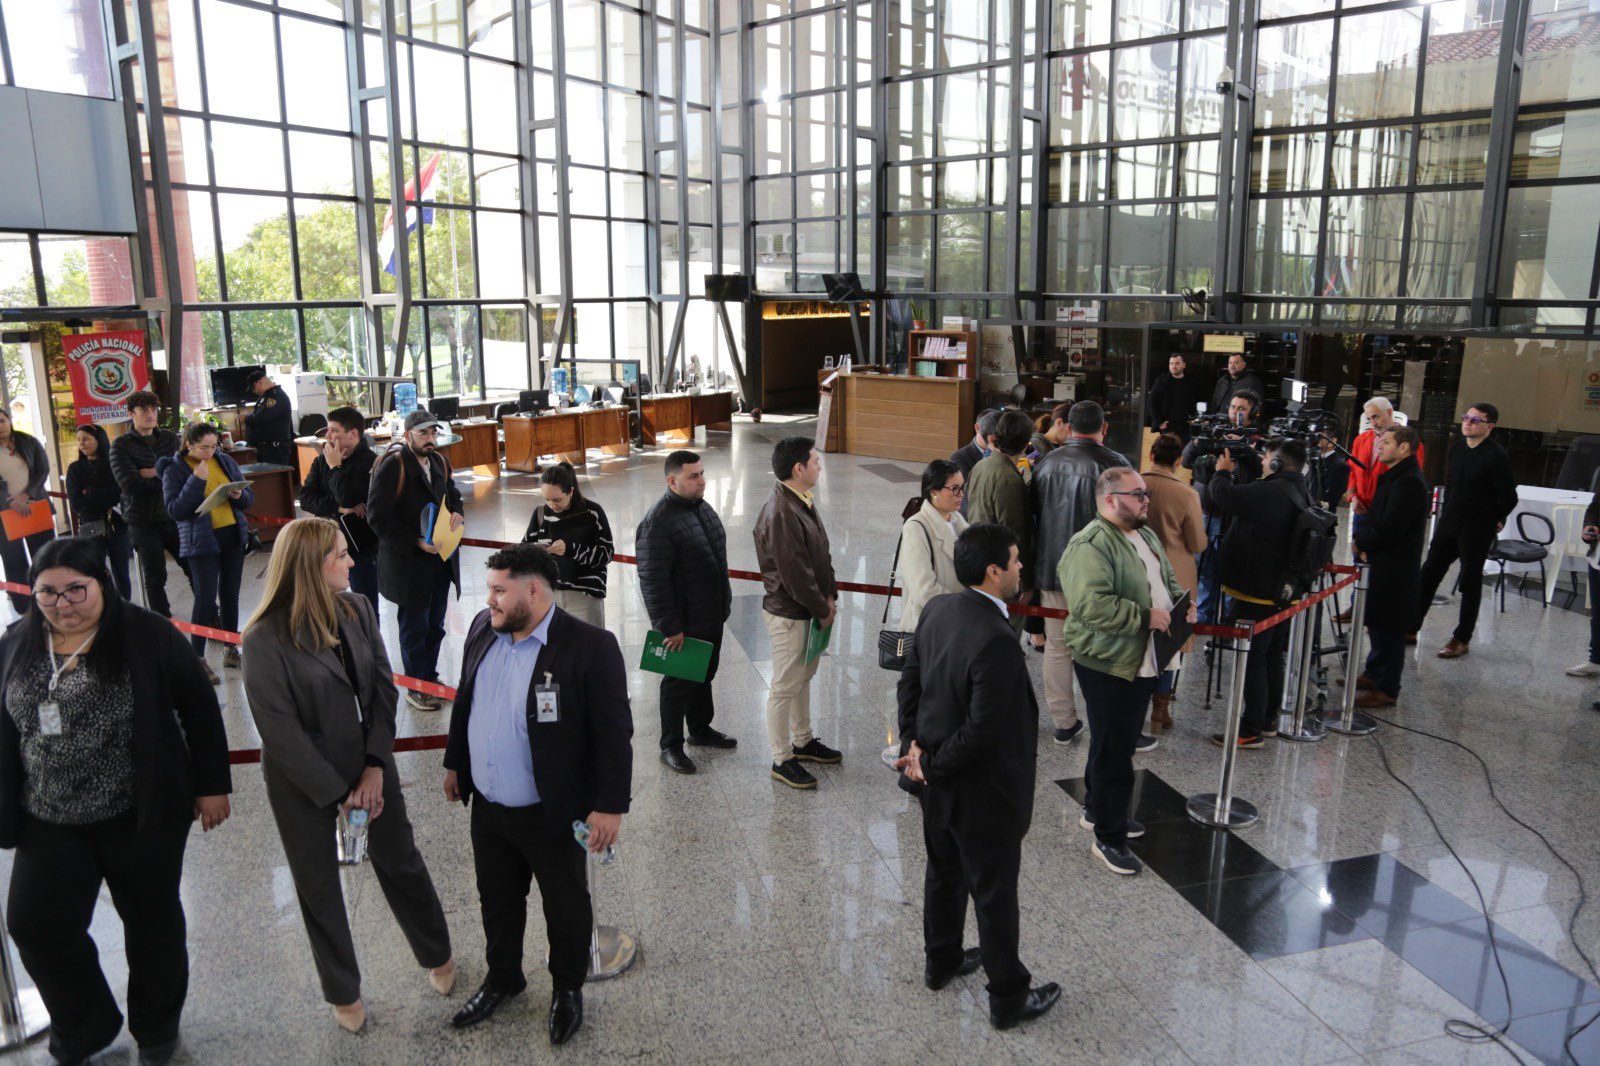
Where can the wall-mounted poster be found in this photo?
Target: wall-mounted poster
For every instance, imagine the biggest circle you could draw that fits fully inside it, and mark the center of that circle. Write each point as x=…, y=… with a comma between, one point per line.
x=105, y=369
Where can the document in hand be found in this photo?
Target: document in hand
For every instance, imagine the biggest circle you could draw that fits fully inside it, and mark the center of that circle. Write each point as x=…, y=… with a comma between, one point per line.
x=817, y=637
x=690, y=662
x=444, y=538
x=1179, y=630
x=219, y=497
x=35, y=518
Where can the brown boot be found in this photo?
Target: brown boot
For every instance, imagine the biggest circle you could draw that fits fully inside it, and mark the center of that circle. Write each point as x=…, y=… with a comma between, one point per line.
x=1455, y=649
x=1161, y=711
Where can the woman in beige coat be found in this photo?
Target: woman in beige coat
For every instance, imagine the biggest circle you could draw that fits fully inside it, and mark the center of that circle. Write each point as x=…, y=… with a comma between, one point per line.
x=1176, y=519
x=928, y=541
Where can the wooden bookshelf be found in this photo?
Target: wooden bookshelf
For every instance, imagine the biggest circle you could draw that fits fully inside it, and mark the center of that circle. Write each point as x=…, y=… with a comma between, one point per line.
x=945, y=365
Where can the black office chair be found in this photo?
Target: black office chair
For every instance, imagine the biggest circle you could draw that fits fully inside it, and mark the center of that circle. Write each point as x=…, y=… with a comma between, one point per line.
x=1528, y=550
x=503, y=409
x=311, y=425
x=1019, y=396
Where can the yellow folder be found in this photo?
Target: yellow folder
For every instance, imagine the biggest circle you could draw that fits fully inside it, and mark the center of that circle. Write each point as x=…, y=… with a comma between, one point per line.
x=444, y=538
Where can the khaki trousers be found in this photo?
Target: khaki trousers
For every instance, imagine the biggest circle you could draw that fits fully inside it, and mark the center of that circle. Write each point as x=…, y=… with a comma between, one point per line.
x=1057, y=665
x=789, y=697
x=582, y=605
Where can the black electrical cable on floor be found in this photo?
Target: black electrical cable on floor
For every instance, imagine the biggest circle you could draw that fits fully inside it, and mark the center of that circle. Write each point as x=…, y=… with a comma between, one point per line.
x=1462, y=1028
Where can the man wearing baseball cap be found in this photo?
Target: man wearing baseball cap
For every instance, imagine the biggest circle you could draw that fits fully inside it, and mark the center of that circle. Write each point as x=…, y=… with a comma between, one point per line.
x=270, y=427
x=405, y=481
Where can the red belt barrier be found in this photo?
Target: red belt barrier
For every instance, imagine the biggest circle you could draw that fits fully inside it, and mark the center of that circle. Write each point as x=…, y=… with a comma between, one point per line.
x=1301, y=607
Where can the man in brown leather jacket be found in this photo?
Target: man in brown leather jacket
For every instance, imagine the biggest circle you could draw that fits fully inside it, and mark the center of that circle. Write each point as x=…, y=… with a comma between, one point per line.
x=797, y=572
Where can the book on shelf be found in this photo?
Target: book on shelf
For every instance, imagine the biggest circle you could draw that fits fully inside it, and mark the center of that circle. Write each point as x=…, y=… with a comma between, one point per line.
x=922, y=368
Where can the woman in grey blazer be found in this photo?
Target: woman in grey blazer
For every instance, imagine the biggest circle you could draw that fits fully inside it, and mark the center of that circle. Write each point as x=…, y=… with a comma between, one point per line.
x=319, y=685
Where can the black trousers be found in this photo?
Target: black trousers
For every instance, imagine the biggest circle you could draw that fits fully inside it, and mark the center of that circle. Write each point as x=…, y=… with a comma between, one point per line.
x=1471, y=545
x=511, y=848
x=1387, y=658
x=55, y=882
x=689, y=701
x=152, y=543
x=985, y=867
x=1264, y=670
x=15, y=556
x=1116, y=710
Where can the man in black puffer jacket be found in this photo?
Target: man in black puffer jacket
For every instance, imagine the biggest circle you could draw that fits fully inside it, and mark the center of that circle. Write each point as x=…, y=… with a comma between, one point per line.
x=133, y=464
x=683, y=573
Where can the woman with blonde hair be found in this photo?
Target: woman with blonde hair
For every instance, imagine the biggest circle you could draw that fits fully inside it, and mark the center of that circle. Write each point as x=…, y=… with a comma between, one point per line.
x=323, y=698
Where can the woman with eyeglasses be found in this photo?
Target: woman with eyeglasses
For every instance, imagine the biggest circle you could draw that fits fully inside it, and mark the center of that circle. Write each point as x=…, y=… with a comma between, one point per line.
x=212, y=542
x=323, y=698
x=111, y=747
x=928, y=541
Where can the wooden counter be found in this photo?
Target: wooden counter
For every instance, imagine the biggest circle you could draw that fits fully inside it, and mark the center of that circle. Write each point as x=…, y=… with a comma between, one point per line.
x=478, y=447
x=274, y=489
x=896, y=416
x=671, y=418
x=606, y=428
x=714, y=410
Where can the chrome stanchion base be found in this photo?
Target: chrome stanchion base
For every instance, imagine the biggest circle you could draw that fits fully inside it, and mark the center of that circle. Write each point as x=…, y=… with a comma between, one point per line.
x=1241, y=813
x=35, y=1020
x=611, y=953
x=1311, y=727
x=1360, y=725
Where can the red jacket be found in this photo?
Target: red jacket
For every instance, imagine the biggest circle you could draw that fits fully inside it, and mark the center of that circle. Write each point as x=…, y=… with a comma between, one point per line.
x=1363, y=483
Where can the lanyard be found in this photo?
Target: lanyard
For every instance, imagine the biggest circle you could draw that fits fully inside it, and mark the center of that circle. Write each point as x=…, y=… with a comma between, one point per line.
x=57, y=669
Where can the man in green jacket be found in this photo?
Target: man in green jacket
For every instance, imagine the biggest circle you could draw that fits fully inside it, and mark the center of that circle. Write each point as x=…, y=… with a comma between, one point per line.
x=1119, y=588
x=997, y=493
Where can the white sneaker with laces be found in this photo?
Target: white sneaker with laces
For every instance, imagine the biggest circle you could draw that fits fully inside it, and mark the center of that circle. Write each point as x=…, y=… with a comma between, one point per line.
x=1584, y=670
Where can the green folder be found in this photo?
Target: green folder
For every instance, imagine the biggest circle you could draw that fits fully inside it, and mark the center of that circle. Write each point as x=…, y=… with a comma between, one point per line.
x=817, y=638
x=689, y=662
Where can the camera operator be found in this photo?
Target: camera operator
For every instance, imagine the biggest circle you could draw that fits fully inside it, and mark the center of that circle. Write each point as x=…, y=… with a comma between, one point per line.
x=1252, y=563
x=1211, y=438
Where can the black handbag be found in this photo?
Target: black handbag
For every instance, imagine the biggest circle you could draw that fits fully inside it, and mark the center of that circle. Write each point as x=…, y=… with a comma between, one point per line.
x=895, y=644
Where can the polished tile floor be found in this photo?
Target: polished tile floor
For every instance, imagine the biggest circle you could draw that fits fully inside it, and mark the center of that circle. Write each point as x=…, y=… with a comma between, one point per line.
x=778, y=926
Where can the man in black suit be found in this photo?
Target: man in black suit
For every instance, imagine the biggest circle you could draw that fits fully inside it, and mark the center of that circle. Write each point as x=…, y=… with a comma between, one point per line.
x=968, y=723
x=982, y=443
x=407, y=479
x=1390, y=541
x=540, y=737
x=1173, y=396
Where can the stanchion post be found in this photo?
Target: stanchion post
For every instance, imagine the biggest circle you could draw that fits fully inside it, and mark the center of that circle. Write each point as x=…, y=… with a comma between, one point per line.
x=1221, y=809
x=611, y=951
x=22, y=1013
x=1294, y=724
x=1352, y=722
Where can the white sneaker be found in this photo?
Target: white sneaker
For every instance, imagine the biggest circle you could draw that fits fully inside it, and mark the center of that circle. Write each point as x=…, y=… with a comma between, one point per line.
x=1584, y=670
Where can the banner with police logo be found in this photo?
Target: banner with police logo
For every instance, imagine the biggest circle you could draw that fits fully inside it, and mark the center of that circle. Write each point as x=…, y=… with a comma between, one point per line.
x=105, y=369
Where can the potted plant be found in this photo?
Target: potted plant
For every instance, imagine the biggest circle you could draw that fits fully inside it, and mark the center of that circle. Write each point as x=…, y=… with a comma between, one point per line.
x=919, y=315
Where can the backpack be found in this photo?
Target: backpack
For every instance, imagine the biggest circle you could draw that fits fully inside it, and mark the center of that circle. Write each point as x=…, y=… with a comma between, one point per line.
x=1310, y=550
x=397, y=452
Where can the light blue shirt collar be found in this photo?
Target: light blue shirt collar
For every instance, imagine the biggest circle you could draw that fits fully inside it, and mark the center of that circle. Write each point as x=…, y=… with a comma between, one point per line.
x=996, y=600
x=538, y=638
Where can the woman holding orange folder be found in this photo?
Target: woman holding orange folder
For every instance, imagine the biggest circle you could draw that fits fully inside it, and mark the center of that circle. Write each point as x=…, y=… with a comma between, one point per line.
x=24, y=469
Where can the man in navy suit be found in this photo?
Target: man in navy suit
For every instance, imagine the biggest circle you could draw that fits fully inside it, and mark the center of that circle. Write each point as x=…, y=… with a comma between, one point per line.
x=970, y=739
x=540, y=737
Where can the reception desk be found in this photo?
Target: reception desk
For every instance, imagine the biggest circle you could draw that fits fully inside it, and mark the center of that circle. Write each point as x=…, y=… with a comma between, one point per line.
x=671, y=418
x=567, y=435
x=474, y=445
x=274, y=488
x=896, y=416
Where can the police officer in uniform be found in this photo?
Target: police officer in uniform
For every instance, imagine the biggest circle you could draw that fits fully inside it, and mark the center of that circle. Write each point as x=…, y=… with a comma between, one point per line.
x=270, y=427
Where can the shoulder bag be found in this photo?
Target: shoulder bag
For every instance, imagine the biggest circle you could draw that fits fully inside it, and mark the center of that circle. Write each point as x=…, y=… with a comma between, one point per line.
x=895, y=644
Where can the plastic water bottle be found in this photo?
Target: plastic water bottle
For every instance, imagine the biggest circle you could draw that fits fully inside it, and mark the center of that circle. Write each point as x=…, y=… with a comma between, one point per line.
x=580, y=833
x=352, y=836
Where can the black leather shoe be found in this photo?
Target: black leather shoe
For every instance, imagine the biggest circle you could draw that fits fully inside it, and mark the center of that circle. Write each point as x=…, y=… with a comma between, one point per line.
x=710, y=738
x=158, y=1054
x=484, y=1002
x=1008, y=1011
x=937, y=979
x=675, y=760
x=566, y=1015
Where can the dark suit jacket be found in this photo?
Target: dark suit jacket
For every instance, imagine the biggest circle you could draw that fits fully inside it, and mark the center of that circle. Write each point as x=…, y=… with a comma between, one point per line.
x=394, y=511
x=306, y=712
x=1392, y=537
x=965, y=697
x=180, y=750
x=583, y=761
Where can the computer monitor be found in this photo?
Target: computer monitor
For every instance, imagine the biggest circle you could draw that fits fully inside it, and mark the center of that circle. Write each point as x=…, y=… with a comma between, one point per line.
x=728, y=288
x=228, y=388
x=532, y=401
x=445, y=407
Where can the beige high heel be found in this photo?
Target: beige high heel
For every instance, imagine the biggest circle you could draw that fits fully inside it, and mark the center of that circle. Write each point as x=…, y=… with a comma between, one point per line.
x=352, y=1018
x=443, y=978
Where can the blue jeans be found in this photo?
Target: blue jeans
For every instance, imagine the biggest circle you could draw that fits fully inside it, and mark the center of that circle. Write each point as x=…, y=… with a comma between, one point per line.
x=119, y=550
x=1594, y=615
x=214, y=577
x=1210, y=586
x=422, y=630
x=1166, y=683
x=364, y=580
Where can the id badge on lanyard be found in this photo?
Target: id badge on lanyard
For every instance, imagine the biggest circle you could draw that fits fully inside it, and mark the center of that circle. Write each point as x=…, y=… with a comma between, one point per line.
x=547, y=702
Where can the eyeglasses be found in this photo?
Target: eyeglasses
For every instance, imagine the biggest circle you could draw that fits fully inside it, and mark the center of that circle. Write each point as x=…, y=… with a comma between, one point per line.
x=49, y=597
x=1474, y=420
x=959, y=490
x=1138, y=494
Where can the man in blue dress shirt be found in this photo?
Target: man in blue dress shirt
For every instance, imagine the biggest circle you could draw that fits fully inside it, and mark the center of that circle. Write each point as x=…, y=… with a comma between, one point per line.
x=540, y=737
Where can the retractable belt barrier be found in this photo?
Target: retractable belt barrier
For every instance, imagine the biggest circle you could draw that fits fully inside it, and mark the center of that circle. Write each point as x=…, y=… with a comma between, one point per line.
x=1218, y=809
